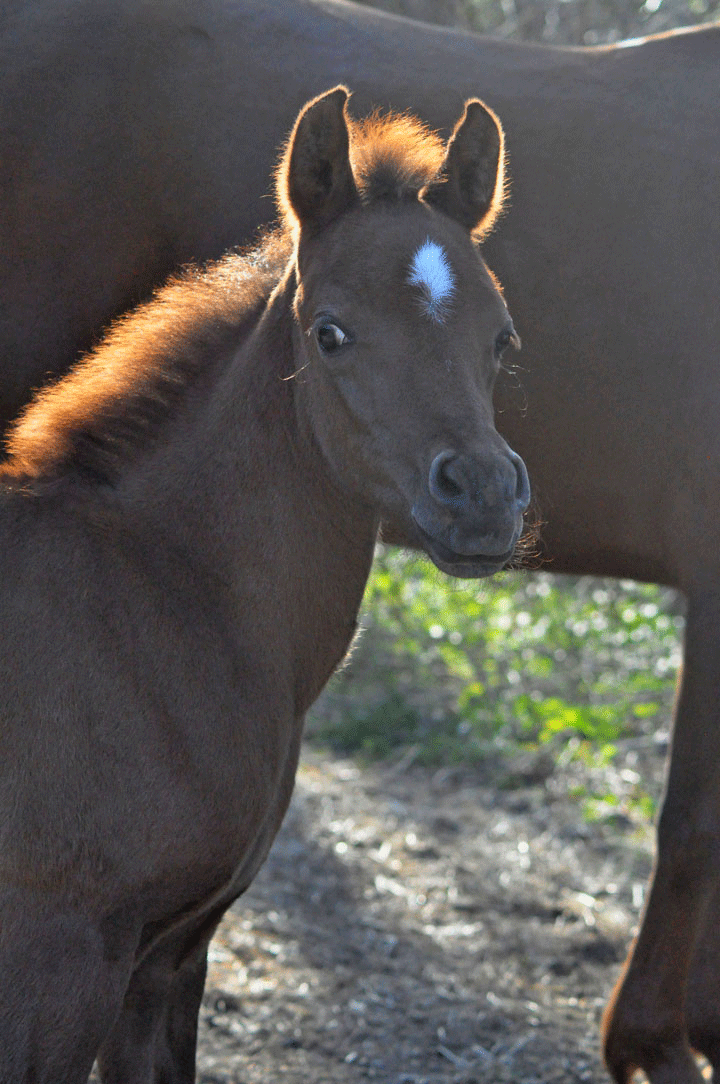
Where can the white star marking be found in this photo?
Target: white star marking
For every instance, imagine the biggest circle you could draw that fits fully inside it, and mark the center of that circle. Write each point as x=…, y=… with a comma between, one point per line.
x=430, y=270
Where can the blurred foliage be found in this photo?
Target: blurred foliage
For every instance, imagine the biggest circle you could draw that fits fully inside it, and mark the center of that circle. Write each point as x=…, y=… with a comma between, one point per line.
x=460, y=671
x=561, y=22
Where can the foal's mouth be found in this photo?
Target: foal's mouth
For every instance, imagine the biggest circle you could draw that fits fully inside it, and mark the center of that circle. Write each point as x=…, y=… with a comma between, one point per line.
x=465, y=566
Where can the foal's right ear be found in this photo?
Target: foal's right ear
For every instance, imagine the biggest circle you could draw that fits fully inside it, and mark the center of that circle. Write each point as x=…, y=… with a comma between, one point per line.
x=316, y=178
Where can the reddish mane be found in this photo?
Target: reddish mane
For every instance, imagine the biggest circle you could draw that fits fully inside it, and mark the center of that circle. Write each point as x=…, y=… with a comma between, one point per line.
x=116, y=396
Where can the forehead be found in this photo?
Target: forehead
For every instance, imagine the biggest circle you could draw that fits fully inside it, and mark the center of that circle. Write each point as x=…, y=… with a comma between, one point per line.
x=411, y=255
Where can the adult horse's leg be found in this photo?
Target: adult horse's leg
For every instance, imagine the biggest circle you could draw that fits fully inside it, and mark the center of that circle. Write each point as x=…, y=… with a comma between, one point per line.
x=645, y=1025
x=62, y=981
x=154, y=1038
x=703, y=997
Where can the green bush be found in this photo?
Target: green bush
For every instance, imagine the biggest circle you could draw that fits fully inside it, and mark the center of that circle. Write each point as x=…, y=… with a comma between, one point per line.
x=463, y=670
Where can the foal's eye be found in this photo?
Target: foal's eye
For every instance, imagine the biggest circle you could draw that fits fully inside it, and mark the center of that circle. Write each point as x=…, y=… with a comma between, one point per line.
x=330, y=337
x=507, y=335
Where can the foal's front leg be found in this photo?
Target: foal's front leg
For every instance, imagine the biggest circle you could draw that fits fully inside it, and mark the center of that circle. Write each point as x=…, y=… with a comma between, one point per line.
x=155, y=1036
x=61, y=985
x=645, y=1025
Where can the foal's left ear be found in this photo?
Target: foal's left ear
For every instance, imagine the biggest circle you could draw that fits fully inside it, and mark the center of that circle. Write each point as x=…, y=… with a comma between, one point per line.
x=316, y=177
x=470, y=184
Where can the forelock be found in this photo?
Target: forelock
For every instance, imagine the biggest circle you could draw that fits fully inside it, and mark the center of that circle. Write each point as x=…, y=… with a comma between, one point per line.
x=394, y=156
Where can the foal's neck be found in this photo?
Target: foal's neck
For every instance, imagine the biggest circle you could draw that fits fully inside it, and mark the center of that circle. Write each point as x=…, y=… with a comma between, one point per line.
x=250, y=500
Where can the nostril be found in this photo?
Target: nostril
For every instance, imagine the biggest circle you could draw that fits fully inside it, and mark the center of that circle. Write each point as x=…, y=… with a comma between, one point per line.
x=522, y=487
x=446, y=481
x=457, y=484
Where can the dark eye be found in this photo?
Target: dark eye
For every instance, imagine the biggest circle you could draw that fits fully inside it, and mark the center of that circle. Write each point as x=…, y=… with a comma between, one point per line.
x=507, y=335
x=330, y=337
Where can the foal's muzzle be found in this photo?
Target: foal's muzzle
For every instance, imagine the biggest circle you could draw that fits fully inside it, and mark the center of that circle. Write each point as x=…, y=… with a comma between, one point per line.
x=471, y=515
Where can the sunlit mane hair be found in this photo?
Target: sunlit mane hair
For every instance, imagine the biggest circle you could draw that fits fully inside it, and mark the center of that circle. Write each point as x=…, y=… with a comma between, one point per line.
x=116, y=397
x=393, y=156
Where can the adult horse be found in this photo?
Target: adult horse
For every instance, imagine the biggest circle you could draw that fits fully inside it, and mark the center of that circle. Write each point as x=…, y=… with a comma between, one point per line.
x=137, y=136
x=188, y=521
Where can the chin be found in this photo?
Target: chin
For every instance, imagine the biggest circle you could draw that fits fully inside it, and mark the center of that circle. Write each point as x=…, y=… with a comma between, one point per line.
x=463, y=566
x=469, y=568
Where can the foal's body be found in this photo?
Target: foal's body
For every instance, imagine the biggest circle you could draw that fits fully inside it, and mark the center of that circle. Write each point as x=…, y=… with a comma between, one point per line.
x=187, y=526
x=159, y=736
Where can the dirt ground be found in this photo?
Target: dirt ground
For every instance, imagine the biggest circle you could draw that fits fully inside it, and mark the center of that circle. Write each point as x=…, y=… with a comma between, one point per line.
x=425, y=927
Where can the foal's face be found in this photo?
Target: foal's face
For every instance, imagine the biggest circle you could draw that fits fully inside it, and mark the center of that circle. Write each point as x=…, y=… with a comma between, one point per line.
x=401, y=331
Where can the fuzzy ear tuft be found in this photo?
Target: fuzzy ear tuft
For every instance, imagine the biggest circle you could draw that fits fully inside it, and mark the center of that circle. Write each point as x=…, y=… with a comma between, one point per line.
x=315, y=179
x=470, y=184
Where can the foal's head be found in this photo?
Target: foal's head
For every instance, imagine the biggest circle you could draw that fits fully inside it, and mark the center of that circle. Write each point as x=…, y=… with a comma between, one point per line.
x=401, y=327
